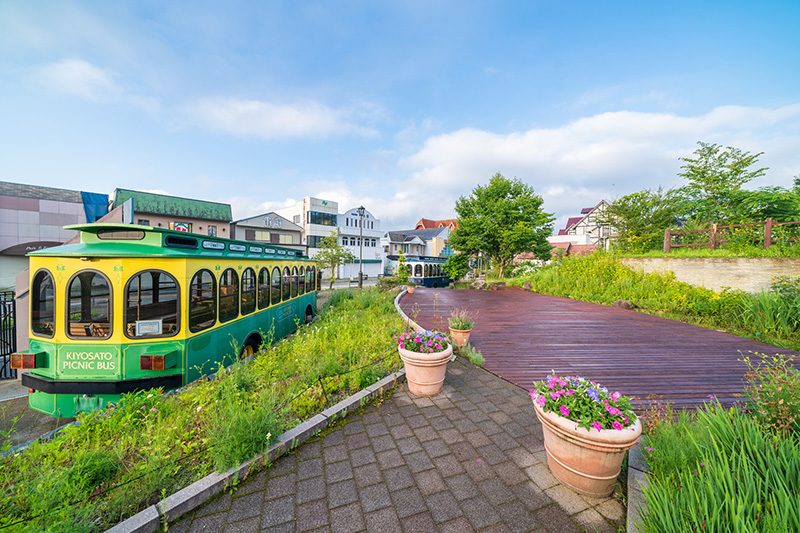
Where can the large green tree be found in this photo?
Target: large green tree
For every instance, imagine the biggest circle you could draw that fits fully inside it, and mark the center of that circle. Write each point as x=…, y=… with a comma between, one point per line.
x=457, y=266
x=502, y=219
x=640, y=218
x=716, y=176
x=331, y=255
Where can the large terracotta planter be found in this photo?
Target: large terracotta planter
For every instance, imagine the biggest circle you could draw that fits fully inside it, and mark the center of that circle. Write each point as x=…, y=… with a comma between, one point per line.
x=410, y=288
x=425, y=371
x=460, y=337
x=586, y=461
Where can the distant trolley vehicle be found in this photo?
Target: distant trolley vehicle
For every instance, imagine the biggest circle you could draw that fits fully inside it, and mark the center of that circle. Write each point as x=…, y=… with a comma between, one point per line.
x=428, y=272
x=134, y=307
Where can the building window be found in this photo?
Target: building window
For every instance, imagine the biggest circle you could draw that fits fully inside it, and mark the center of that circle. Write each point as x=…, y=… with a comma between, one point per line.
x=296, y=219
x=143, y=222
x=202, y=301
x=323, y=219
x=212, y=231
x=314, y=241
x=43, y=303
x=151, y=305
x=286, y=239
x=352, y=241
x=347, y=222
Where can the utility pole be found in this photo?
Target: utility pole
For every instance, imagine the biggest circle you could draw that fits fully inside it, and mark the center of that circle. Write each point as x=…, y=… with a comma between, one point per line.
x=360, y=245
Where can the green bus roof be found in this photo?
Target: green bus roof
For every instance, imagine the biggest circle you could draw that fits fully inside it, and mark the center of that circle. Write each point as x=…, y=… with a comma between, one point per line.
x=129, y=240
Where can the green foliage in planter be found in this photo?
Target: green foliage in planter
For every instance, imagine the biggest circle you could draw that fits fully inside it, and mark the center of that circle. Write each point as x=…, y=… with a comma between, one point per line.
x=472, y=354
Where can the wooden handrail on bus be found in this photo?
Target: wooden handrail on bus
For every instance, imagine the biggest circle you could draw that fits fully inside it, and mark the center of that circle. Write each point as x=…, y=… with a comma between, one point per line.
x=714, y=242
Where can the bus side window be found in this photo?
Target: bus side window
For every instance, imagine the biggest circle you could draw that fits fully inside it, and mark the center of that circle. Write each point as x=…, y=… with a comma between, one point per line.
x=418, y=271
x=263, y=288
x=287, y=284
x=294, y=282
x=43, y=304
x=302, y=278
x=248, y=291
x=89, y=305
x=228, y=295
x=202, y=301
x=151, y=305
x=276, y=285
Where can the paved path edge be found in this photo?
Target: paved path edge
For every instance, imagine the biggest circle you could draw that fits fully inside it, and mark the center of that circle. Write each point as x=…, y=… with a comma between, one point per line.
x=637, y=481
x=173, y=507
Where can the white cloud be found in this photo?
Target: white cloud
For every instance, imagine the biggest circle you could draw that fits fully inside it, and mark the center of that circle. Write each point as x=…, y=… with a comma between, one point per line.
x=80, y=78
x=267, y=120
x=598, y=157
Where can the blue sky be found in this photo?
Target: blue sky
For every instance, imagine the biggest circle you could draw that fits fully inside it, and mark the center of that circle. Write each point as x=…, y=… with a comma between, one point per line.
x=401, y=106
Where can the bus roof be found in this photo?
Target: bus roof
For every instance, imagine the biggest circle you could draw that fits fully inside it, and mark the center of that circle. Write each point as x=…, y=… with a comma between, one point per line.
x=129, y=240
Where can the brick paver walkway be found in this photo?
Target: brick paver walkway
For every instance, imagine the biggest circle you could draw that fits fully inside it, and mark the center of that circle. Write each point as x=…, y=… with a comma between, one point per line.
x=468, y=459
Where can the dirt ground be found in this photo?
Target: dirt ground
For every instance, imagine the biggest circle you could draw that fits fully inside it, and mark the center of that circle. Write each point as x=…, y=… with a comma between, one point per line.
x=30, y=425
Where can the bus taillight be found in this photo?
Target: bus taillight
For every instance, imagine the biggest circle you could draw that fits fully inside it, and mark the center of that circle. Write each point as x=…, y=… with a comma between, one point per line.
x=152, y=362
x=23, y=361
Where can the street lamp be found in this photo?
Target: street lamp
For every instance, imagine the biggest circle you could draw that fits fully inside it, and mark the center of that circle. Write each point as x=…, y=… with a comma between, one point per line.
x=360, y=211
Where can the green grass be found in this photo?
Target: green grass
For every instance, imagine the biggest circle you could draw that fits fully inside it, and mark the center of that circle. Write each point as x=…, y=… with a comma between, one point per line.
x=740, y=251
x=121, y=460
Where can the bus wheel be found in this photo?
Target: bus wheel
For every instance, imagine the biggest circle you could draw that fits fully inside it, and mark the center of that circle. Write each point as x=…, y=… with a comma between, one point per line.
x=309, y=315
x=250, y=346
x=247, y=351
x=435, y=285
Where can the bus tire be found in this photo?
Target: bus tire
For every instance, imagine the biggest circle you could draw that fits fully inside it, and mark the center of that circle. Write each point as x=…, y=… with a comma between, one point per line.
x=251, y=345
x=309, y=316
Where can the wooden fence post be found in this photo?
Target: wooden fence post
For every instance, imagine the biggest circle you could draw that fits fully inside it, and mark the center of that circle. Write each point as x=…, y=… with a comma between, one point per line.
x=768, y=233
x=667, y=240
x=712, y=241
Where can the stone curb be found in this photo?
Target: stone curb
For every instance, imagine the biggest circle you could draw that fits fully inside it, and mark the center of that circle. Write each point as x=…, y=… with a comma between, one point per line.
x=637, y=480
x=199, y=492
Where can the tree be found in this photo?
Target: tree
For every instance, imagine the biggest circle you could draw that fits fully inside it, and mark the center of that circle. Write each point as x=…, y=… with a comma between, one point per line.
x=715, y=177
x=332, y=254
x=641, y=218
x=402, y=271
x=457, y=266
x=501, y=220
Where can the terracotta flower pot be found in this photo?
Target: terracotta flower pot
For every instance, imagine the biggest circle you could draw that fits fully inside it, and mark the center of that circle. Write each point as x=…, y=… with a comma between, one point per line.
x=410, y=288
x=586, y=461
x=425, y=371
x=460, y=337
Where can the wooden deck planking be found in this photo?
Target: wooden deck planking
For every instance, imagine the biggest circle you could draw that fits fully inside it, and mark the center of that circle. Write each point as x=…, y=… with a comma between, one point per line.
x=524, y=336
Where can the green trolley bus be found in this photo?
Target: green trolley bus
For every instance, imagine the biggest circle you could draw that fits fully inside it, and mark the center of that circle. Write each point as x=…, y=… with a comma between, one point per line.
x=134, y=307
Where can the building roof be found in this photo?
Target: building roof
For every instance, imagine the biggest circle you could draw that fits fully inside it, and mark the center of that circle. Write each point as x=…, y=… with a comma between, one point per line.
x=424, y=234
x=426, y=223
x=571, y=222
x=257, y=221
x=36, y=192
x=160, y=204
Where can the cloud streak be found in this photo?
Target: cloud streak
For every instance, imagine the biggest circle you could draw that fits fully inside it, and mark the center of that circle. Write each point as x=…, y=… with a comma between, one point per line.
x=270, y=121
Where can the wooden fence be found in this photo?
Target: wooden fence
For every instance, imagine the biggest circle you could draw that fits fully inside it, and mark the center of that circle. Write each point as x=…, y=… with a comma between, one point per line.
x=714, y=231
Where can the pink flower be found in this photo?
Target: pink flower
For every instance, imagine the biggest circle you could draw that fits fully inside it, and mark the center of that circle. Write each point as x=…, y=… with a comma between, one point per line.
x=402, y=346
x=555, y=396
x=552, y=384
x=430, y=343
x=570, y=392
x=417, y=339
x=616, y=396
x=614, y=411
x=561, y=382
x=617, y=426
x=541, y=400
x=430, y=350
x=564, y=410
x=626, y=420
x=597, y=425
x=437, y=346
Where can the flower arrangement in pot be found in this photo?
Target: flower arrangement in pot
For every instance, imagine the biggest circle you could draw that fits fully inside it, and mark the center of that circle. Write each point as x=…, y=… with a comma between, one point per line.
x=460, y=323
x=425, y=355
x=587, y=432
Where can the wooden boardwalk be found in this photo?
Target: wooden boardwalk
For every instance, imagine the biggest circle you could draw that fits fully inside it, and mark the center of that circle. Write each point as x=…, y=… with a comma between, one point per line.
x=524, y=336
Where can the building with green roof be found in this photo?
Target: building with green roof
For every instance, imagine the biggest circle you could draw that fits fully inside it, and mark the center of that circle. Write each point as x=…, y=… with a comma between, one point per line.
x=174, y=212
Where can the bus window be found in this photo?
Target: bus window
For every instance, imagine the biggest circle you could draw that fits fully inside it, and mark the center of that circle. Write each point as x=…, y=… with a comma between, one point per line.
x=276, y=285
x=418, y=271
x=43, y=300
x=202, y=301
x=89, y=307
x=228, y=295
x=287, y=284
x=302, y=278
x=294, y=282
x=311, y=280
x=248, y=291
x=263, y=288
x=151, y=305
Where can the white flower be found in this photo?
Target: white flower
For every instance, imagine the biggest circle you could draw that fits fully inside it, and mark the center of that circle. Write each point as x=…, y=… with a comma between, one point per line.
x=199, y=407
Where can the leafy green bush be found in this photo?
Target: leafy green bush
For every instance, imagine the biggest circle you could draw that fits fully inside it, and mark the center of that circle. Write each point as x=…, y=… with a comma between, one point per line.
x=472, y=354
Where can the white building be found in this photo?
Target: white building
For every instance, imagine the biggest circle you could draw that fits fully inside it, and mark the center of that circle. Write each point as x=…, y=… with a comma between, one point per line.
x=587, y=229
x=415, y=243
x=268, y=228
x=319, y=218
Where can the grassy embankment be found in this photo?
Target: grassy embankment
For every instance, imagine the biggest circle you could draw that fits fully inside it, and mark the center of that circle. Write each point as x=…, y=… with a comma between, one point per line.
x=121, y=460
